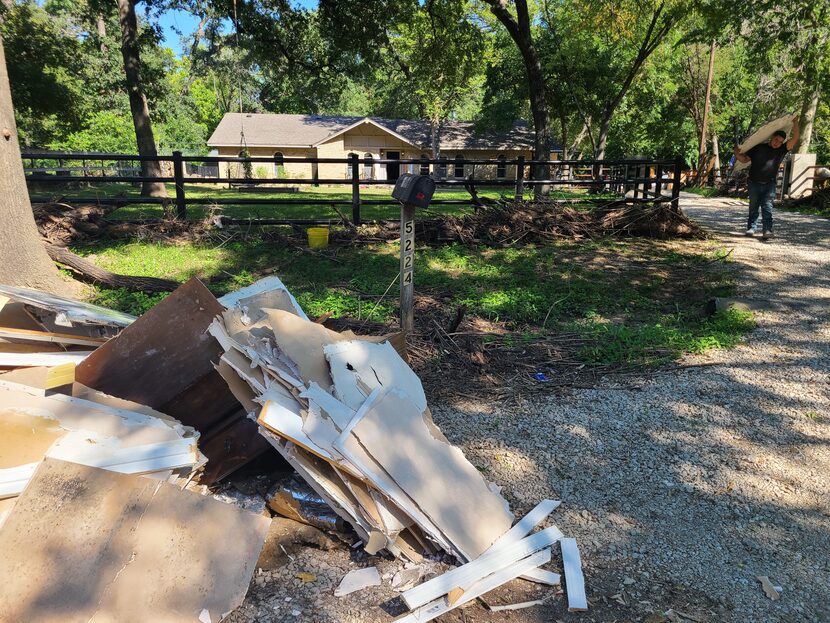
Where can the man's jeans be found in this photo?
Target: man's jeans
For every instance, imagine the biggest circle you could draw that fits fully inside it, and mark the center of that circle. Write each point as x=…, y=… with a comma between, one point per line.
x=760, y=196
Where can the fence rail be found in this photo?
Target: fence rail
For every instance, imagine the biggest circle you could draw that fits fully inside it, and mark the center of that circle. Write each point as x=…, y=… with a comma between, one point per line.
x=642, y=179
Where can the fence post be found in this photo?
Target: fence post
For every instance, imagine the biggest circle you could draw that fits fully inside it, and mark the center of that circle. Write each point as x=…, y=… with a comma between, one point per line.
x=355, y=189
x=178, y=177
x=520, y=176
x=675, y=187
x=659, y=175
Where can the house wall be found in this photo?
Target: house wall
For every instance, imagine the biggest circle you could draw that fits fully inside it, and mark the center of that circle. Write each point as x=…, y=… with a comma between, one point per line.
x=367, y=139
x=289, y=169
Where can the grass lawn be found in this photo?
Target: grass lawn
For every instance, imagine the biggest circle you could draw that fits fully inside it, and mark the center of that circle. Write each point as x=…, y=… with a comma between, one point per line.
x=631, y=302
x=103, y=192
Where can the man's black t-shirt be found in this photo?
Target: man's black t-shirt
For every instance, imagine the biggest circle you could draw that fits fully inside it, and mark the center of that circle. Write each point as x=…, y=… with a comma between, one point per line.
x=765, y=162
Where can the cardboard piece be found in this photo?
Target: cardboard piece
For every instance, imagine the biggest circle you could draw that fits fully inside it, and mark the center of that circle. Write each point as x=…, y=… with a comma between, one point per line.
x=122, y=548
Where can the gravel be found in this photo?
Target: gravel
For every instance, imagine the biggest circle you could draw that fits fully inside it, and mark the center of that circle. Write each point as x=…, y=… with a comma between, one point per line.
x=681, y=491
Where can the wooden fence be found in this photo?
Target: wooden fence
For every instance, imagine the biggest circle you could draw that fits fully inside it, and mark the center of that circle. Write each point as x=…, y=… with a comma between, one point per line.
x=642, y=180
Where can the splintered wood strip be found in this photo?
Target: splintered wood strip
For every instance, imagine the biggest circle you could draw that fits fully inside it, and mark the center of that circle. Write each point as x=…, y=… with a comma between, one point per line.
x=468, y=574
x=440, y=606
x=574, y=580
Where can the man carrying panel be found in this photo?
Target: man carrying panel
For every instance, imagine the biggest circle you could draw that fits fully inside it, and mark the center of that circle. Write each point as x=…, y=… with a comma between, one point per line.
x=765, y=159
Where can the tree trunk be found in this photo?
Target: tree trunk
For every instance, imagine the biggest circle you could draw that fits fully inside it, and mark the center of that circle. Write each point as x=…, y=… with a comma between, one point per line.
x=435, y=128
x=519, y=30
x=602, y=139
x=23, y=260
x=716, y=156
x=144, y=139
x=701, y=157
x=808, y=118
x=101, y=27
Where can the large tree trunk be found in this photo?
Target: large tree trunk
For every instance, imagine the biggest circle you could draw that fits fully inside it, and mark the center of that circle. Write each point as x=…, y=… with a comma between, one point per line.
x=144, y=138
x=701, y=154
x=23, y=260
x=716, y=156
x=519, y=29
x=808, y=119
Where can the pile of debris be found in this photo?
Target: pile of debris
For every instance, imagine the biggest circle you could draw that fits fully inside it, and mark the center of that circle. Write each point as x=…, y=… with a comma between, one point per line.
x=818, y=200
x=190, y=392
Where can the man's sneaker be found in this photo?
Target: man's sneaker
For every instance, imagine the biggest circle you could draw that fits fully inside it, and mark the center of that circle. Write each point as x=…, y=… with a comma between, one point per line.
x=768, y=235
x=750, y=232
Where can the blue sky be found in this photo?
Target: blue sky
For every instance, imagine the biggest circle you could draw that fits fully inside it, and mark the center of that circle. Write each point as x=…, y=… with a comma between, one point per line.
x=186, y=24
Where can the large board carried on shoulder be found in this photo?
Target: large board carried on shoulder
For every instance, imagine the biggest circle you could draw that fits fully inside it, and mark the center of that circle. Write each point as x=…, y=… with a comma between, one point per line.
x=762, y=135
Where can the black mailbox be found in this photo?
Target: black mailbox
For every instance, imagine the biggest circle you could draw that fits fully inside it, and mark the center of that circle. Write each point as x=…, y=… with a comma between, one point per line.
x=416, y=190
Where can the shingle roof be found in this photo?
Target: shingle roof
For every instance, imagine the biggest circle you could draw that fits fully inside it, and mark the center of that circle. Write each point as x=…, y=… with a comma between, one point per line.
x=280, y=130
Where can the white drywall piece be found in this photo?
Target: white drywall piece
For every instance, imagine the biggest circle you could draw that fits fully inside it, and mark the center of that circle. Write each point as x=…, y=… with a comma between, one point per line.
x=339, y=413
x=484, y=565
x=574, y=580
x=263, y=285
x=30, y=360
x=356, y=580
x=375, y=365
x=440, y=606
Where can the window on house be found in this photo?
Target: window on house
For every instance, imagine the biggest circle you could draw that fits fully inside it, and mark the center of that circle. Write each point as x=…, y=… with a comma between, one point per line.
x=349, y=165
x=458, y=167
x=501, y=167
x=424, y=165
x=442, y=167
x=279, y=164
x=368, y=167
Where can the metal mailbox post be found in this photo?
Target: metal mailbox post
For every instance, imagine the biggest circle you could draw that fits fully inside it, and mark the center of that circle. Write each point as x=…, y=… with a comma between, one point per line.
x=413, y=191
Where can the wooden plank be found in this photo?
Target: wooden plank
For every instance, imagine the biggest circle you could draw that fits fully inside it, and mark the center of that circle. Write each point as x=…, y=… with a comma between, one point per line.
x=468, y=574
x=122, y=548
x=165, y=360
x=32, y=360
x=522, y=529
x=434, y=474
x=574, y=580
x=45, y=336
x=441, y=606
x=40, y=379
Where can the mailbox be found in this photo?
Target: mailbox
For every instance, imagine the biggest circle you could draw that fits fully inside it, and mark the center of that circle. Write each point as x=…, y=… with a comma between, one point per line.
x=415, y=190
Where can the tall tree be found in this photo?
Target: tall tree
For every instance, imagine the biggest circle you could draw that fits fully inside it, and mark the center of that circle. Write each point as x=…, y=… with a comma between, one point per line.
x=518, y=24
x=23, y=258
x=145, y=141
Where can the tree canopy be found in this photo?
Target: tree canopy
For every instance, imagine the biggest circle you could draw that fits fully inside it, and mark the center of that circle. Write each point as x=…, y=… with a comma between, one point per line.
x=620, y=79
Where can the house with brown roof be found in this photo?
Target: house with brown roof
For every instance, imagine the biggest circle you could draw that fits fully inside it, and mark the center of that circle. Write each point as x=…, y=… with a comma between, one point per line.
x=287, y=136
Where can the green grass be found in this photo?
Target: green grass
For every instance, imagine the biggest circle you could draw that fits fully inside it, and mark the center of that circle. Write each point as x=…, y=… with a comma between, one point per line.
x=636, y=301
x=303, y=210
x=704, y=191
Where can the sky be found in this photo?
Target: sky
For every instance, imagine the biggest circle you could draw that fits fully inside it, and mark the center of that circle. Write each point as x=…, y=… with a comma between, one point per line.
x=186, y=24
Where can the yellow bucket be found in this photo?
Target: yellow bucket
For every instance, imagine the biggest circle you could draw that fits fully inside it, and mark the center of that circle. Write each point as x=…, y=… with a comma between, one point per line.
x=318, y=237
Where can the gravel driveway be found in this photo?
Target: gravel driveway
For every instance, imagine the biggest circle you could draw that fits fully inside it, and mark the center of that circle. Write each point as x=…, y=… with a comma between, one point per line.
x=680, y=490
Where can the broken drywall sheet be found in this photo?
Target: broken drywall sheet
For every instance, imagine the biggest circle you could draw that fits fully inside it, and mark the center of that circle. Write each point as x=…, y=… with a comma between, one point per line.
x=72, y=311
x=357, y=364
x=356, y=580
x=122, y=548
x=86, y=432
x=166, y=360
x=39, y=380
x=267, y=284
x=434, y=474
x=302, y=342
